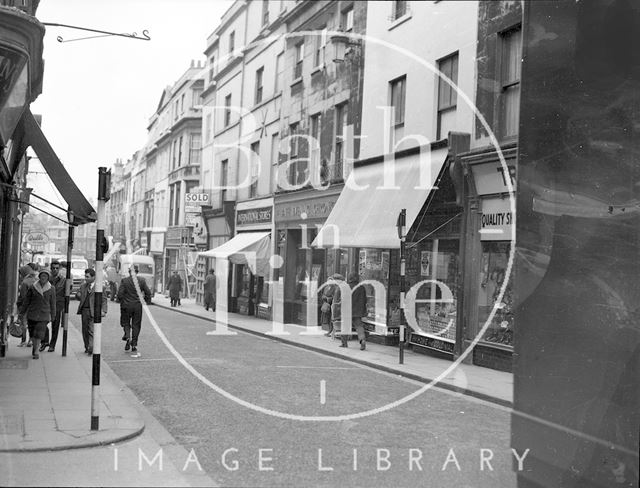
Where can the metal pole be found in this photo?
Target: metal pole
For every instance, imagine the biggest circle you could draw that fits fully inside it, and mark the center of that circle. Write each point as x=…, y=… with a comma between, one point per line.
x=402, y=219
x=103, y=196
x=67, y=289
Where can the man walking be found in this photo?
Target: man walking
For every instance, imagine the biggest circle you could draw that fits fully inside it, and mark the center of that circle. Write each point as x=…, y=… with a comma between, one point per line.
x=131, y=307
x=58, y=283
x=175, y=288
x=358, y=308
x=86, y=308
x=210, y=291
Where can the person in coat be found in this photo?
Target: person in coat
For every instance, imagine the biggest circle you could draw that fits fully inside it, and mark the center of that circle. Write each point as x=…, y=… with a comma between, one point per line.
x=58, y=283
x=30, y=277
x=210, y=290
x=326, y=301
x=39, y=307
x=131, y=307
x=86, y=308
x=358, y=310
x=175, y=288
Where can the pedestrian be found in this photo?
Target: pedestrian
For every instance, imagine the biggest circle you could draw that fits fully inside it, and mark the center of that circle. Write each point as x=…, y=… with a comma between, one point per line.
x=175, y=288
x=210, y=291
x=86, y=308
x=30, y=277
x=58, y=283
x=328, y=292
x=39, y=307
x=358, y=310
x=131, y=307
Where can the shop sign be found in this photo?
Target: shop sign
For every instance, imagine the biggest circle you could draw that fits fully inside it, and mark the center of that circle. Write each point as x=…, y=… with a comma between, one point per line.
x=174, y=236
x=37, y=238
x=314, y=209
x=496, y=223
x=191, y=218
x=253, y=216
x=157, y=242
x=491, y=178
x=143, y=239
x=432, y=343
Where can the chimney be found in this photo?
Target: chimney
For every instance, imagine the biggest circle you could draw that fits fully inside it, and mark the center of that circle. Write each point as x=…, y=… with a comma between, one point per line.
x=192, y=63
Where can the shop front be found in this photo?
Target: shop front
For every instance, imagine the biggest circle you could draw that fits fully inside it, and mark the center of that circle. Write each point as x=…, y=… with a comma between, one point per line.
x=489, y=309
x=364, y=220
x=250, y=289
x=156, y=250
x=298, y=218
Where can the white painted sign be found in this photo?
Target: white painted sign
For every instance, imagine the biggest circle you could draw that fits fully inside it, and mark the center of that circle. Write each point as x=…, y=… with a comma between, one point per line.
x=491, y=178
x=496, y=223
x=36, y=238
x=196, y=198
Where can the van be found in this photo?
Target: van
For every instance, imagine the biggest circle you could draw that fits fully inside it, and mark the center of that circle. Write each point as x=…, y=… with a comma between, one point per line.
x=146, y=268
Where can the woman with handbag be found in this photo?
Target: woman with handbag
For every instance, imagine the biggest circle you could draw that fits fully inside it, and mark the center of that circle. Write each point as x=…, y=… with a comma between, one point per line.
x=31, y=276
x=39, y=308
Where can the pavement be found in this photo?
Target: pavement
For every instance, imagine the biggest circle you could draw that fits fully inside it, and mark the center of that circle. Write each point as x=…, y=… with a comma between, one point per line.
x=468, y=379
x=45, y=404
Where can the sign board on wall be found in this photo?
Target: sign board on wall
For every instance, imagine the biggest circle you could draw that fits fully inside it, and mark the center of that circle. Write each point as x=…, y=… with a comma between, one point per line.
x=491, y=178
x=496, y=223
x=252, y=216
x=157, y=242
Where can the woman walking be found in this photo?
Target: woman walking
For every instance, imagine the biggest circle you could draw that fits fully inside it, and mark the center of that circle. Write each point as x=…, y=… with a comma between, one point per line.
x=39, y=308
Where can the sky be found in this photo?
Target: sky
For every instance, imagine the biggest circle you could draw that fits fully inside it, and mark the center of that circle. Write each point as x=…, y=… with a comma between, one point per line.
x=99, y=94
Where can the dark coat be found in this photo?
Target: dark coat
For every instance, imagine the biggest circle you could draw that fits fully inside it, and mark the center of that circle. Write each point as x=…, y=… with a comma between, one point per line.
x=86, y=291
x=58, y=284
x=127, y=294
x=175, y=286
x=358, y=301
x=39, y=307
x=210, y=284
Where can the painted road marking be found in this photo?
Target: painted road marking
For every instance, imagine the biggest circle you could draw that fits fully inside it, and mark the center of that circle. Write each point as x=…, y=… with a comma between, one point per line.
x=323, y=392
x=315, y=367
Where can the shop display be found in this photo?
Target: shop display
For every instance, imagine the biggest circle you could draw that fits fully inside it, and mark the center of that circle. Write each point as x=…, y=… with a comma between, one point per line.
x=495, y=257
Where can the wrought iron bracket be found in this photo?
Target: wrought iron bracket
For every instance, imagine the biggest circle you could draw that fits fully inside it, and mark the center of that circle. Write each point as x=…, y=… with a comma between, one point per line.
x=133, y=35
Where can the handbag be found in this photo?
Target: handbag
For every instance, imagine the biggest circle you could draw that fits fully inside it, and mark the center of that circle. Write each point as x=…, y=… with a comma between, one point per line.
x=16, y=328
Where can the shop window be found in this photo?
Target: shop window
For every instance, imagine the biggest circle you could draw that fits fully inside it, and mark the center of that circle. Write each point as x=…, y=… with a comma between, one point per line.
x=511, y=62
x=447, y=95
x=495, y=257
x=374, y=264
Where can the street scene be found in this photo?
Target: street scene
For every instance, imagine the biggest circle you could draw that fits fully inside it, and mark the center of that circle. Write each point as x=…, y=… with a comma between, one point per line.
x=319, y=243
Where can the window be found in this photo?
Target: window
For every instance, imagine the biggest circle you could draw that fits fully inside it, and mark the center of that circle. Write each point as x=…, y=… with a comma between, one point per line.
x=194, y=148
x=182, y=104
x=176, y=220
x=399, y=9
x=227, y=110
x=297, y=72
x=180, y=152
x=254, y=169
x=259, y=87
x=265, y=12
x=232, y=42
x=341, y=122
x=212, y=67
x=278, y=81
x=175, y=110
x=298, y=167
x=447, y=95
x=196, y=95
x=511, y=45
x=293, y=140
x=315, y=142
x=320, y=42
x=172, y=196
x=224, y=176
x=398, y=88
x=207, y=128
x=275, y=152
x=175, y=155
x=346, y=20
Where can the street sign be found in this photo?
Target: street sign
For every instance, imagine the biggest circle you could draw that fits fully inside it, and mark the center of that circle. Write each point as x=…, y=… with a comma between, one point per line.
x=36, y=238
x=196, y=198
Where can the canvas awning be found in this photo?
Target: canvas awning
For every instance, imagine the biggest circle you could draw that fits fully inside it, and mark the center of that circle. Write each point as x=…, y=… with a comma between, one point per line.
x=367, y=210
x=82, y=210
x=250, y=248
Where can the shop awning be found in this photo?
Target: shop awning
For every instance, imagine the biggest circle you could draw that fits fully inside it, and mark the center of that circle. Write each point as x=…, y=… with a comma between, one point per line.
x=367, y=217
x=82, y=210
x=250, y=248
